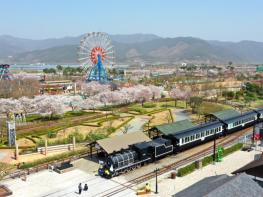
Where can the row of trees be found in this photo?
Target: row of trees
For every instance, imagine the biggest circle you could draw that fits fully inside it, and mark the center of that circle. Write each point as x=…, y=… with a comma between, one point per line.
x=67, y=71
x=98, y=95
x=19, y=87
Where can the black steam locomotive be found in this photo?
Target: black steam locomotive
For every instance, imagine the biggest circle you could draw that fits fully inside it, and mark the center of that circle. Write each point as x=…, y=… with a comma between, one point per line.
x=146, y=152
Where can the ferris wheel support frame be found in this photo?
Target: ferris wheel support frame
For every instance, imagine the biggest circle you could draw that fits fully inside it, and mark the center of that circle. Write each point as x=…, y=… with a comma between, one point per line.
x=98, y=72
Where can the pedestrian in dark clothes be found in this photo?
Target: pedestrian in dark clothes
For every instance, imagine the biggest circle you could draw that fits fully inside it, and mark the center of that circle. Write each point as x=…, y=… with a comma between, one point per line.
x=80, y=188
x=86, y=187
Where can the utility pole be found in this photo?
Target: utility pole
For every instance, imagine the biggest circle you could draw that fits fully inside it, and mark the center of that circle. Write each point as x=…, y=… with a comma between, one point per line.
x=214, y=154
x=253, y=136
x=156, y=182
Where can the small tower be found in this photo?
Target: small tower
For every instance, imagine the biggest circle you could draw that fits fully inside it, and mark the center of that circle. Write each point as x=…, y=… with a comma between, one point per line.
x=5, y=74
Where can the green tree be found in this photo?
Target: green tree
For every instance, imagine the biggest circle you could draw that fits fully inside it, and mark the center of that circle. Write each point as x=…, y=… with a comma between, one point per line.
x=59, y=68
x=195, y=102
x=49, y=70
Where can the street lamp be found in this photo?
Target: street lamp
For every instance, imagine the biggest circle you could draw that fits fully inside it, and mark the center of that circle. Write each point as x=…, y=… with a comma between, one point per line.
x=156, y=183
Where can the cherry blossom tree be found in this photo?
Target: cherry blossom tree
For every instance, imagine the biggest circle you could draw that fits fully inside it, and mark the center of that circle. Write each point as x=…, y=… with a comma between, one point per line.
x=75, y=102
x=93, y=88
x=142, y=94
x=49, y=106
x=156, y=91
x=178, y=94
x=27, y=105
x=10, y=106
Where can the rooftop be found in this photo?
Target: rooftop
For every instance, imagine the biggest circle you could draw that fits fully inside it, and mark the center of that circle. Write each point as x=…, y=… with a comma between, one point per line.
x=117, y=143
x=225, y=114
x=198, y=129
x=175, y=127
x=254, y=168
x=223, y=185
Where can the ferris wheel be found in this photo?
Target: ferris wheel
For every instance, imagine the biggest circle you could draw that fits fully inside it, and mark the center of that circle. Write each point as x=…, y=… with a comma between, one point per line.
x=96, y=51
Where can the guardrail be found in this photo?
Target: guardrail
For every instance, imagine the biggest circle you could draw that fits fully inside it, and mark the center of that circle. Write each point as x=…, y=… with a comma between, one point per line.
x=55, y=148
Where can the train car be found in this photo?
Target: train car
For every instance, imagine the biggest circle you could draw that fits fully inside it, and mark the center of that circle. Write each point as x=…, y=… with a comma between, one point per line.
x=196, y=135
x=240, y=122
x=155, y=149
x=260, y=114
x=146, y=152
x=136, y=156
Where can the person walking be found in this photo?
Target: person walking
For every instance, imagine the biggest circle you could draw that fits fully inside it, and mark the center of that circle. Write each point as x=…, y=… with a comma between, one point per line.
x=80, y=188
x=86, y=187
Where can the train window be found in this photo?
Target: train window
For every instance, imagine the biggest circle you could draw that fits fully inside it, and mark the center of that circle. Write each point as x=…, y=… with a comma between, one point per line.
x=202, y=134
x=182, y=140
x=197, y=135
x=207, y=132
x=192, y=137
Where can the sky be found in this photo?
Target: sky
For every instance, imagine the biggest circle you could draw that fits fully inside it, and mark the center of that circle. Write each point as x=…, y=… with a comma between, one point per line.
x=225, y=20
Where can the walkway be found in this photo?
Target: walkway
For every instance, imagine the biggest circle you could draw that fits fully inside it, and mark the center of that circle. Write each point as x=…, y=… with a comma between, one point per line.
x=52, y=184
x=180, y=114
x=136, y=124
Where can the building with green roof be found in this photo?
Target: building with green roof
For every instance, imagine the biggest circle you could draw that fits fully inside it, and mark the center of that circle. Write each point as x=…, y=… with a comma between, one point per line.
x=172, y=128
x=223, y=115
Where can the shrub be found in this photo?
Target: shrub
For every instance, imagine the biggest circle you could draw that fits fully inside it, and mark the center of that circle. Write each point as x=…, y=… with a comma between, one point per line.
x=186, y=170
x=139, y=110
x=78, y=137
x=59, y=141
x=32, y=139
x=149, y=105
x=207, y=160
x=51, y=134
x=110, y=130
x=94, y=136
x=5, y=169
x=28, y=150
x=232, y=149
x=41, y=142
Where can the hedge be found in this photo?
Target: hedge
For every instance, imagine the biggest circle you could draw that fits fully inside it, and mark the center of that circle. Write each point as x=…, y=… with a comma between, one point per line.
x=56, y=127
x=186, y=170
x=207, y=160
x=30, y=138
x=232, y=149
x=156, y=111
x=149, y=105
x=52, y=158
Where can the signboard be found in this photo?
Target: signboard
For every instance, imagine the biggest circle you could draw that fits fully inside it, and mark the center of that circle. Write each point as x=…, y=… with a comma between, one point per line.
x=11, y=133
x=259, y=69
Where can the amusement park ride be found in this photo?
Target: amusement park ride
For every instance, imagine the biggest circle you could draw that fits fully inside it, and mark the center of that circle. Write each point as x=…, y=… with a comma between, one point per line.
x=96, y=51
x=5, y=74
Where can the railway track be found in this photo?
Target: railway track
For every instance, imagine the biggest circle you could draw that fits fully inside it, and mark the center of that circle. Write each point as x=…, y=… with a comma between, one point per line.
x=202, y=153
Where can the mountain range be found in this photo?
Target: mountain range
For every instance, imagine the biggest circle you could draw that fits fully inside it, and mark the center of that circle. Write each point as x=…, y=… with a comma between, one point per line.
x=133, y=49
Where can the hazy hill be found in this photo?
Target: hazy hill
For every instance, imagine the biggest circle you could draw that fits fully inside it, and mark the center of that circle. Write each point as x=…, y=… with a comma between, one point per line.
x=135, y=48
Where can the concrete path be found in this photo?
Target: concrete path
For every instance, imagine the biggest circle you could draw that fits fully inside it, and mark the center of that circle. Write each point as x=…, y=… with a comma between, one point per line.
x=52, y=184
x=136, y=125
x=180, y=114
